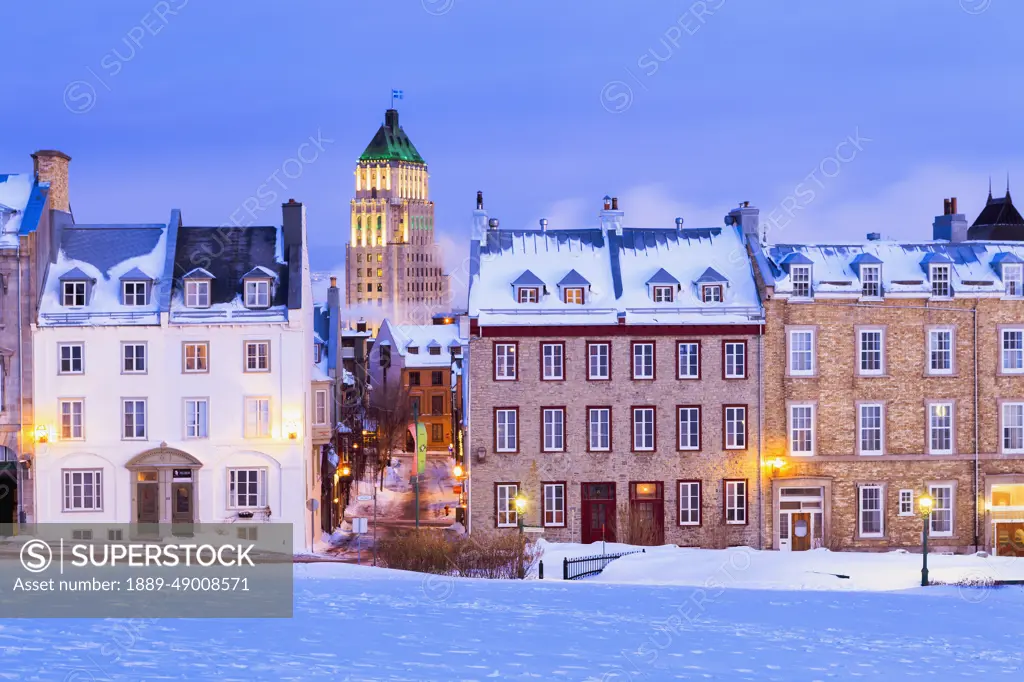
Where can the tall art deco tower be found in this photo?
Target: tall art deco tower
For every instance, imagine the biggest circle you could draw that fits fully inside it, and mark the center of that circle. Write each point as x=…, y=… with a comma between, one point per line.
x=393, y=267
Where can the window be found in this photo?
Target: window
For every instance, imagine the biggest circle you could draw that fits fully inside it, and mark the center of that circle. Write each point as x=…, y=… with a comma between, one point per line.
x=801, y=352
x=940, y=428
x=711, y=293
x=643, y=360
x=133, y=293
x=257, y=356
x=133, y=358
x=196, y=354
x=597, y=365
x=133, y=411
x=247, y=488
x=197, y=294
x=257, y=293
x=643, y=429
x=437, y=433
x=942, y=510
x=940, y=351
x=801, y=429
x=1013, y=279
x=434, y=350
x=320, y=407
x=573, y=295
x=871, y=511
x=436, y=378
x=735, y=502
x=689, y=428
x=83, y=490
x=689, y=360
x=663, y=294
x=505, y=361
x=1013, y=351
x=1013, y=427
x=71, y=419
x=940, y=281
x=505, y=513
x=554, y=429
x=414, y=378
x=74, y=294
x=554, y=504
x=906, y=503
x=71, y=358
x=735, y=427
x=599, y=421
x=257, y=417
x=870, y=351
x=506, y=434
x=870, y=428
x=552, y=355
x=437, y=405
x=380, y=272
x=528, y=294
x=871, y=281
x=196, y=413
x=689, y=503
x=735, y=364
x=801, y=276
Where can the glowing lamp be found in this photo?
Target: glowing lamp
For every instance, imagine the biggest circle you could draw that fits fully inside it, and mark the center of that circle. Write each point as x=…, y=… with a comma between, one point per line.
x=778, y=463
x=42, y=434
x=925, y=503
x=457, y=471
x=346, y=471
x=520, y=503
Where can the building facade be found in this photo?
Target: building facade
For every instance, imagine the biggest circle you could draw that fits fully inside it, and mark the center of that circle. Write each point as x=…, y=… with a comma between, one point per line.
x=393, y=267
x=172, y=376
x=614, y=382
x=895, y=370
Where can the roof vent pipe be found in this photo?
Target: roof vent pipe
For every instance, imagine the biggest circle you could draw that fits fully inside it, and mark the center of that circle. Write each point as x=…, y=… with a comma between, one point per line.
x=492, y=224
x=679, y=223
x=952, y=206
x=479, y=201
x=945, y=207
x=615, y=203
x=543, y=224
x=874, y=236
x=607, y=203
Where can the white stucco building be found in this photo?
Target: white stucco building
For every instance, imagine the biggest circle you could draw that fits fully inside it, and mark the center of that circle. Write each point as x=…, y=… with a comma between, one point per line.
x=172, y=378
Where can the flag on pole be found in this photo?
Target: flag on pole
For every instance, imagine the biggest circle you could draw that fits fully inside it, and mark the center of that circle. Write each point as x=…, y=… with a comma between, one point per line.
x=396, y=94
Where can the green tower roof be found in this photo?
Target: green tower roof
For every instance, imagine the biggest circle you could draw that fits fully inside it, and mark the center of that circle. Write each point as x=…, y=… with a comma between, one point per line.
x=391, y=143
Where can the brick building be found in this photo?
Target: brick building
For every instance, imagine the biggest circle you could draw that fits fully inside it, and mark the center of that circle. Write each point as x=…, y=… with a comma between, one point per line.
x=614, y=382
x=893, y=370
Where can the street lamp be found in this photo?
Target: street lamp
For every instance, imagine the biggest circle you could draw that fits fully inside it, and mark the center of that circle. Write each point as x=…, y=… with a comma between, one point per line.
x=520, y=508
x=457, y=471
x=925, y=505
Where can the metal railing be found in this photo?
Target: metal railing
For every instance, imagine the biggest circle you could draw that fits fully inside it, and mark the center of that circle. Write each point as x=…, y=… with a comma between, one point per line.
x=82, y=317
x=582, y=567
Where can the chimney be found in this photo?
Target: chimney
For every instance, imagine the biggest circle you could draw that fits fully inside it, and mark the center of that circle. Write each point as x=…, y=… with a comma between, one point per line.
x=334, y=322
x=479, y=218
x=951, y=226
x=543, y=224
x=747, y=217
x=50, y=165
x=361, y=326
x=391, y=119
x=611, y=216
x=874, y=236
x=293, y=217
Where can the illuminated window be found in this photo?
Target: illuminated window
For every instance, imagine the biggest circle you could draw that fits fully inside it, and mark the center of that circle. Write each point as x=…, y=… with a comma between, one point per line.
x=574, y=295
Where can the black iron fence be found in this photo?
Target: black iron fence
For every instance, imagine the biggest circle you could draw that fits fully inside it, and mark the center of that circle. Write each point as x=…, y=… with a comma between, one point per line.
x=581, y=567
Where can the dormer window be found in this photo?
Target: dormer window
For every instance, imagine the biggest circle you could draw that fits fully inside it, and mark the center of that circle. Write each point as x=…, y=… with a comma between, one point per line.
x=940, y=279
x=413, y=350
x=1013, y=279
x=662, y=294
x=435, y=350
x=573, y=295
x=257, y=293
x=133, y=293
x=529, y=294
x=711, y=293
x=871, y=281
x=197, y=294
x=572, y=288
x=801, y=278
x=74, y=294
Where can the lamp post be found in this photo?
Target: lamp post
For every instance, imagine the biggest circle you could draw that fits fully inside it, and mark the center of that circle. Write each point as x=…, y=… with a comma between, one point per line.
x=520, y=509
x=925, y=506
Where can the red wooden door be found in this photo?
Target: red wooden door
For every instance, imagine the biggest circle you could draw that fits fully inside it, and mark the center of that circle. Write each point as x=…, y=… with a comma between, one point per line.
x=598, y=512
x=647, y=513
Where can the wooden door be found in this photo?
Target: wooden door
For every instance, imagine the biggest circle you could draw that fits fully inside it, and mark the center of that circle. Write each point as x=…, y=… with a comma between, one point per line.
x=800, y=532
x=148, y=501
x=598, y=513
x=647, y=514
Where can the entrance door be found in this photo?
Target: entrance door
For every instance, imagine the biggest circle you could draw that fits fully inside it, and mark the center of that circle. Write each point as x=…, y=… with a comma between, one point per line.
x=598, y=512
x=800, y=532
x=8, y=498
x=1010, y=539
x=181, y=508
x=147, y=495
x=646, y=514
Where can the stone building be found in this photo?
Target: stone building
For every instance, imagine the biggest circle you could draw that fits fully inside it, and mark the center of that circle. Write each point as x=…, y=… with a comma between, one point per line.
x=393, y=267
x=614, y=381
x=893, y=370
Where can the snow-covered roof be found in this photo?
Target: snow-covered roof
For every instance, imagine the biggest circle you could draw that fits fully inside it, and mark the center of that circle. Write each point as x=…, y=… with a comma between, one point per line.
x=528, y=279
x=135, y=275
x=711, y=276
x=260, y=272
x=975, y=266
x=442, y=337
x=619, y=266
x=15, y=195
x=198, y=273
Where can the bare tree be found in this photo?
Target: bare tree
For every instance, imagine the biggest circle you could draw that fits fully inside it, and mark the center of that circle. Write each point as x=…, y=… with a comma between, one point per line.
x=391, y=411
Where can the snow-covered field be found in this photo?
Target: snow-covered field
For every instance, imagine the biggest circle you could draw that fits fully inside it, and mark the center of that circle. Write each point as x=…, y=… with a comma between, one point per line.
x=359, y=623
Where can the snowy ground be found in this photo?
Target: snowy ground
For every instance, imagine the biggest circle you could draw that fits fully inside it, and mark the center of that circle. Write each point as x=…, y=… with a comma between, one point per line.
x=358, y=623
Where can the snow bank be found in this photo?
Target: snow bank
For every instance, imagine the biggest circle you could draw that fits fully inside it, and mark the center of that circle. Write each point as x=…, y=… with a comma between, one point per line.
x=742, y=567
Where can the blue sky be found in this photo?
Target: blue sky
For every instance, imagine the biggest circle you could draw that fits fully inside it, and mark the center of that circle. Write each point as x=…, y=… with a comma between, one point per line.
x=677, y=107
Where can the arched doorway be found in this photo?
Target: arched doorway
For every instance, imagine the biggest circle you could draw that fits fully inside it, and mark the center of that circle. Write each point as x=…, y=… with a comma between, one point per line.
x=164, y=485
x=8, y=491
